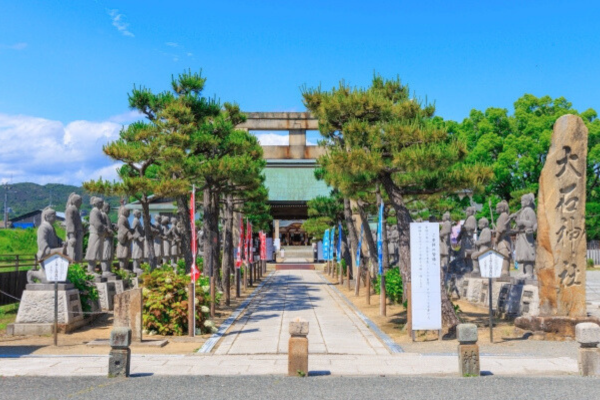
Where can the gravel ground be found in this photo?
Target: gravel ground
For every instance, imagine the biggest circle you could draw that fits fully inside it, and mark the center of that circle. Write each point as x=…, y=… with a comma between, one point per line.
x=245, y=388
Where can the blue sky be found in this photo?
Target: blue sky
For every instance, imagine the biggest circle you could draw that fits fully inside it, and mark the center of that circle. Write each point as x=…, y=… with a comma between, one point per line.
x=66, y=67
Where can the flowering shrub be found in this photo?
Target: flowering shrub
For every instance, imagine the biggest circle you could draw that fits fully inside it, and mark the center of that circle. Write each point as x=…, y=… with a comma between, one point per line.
x=166, y=303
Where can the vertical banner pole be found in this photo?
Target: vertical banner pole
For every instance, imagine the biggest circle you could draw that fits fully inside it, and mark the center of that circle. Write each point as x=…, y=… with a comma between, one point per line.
x=56, y=313
x=491, y=311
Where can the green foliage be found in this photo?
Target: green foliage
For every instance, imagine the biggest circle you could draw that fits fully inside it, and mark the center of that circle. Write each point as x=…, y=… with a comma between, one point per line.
x=8, y=314
x=590, y=263
x=394, y=289
x=166, y=303
x=18, y=241
x=84, y=282
x=515, y=146
x=126, y=276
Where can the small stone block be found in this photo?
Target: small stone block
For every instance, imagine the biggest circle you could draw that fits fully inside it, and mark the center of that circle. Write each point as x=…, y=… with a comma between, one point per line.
x=468, y=360
x=587, y=334
x=298, y=356
x=466, y=333
x=299, y=327
x=120, y=338
x=119, y=363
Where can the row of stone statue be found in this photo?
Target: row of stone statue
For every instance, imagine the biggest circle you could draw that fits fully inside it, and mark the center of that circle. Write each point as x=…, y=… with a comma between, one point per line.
x=499, y=239
x=131, y=242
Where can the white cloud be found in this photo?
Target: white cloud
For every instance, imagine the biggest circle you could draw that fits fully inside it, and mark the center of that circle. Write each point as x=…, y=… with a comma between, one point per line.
x=172, y=44
x=117, y=21
x=127, y=117
x=16, y=46
x=272, y=139
x=46, y=151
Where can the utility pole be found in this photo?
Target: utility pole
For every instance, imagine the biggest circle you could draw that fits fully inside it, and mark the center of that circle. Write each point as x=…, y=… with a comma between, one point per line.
x=6, y=189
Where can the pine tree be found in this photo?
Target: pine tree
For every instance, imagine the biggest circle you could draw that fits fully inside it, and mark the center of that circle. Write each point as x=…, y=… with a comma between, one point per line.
x=387, y=136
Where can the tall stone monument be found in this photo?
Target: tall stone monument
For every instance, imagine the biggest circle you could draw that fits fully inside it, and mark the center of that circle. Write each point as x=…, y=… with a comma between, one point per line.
x=561, y=240
x=561, y=250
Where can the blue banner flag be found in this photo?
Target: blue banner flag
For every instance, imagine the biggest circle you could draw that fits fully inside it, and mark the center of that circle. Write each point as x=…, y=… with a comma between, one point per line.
x=331, y=242
x=359, y=247
x=380, y=239
x=326, y=245
x=339, y=246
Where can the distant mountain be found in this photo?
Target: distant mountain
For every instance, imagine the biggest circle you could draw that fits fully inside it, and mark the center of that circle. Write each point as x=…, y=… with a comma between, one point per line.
x=26, y=197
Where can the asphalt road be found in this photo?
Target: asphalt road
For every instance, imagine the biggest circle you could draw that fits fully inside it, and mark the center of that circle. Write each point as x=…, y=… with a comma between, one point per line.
x=246, y=388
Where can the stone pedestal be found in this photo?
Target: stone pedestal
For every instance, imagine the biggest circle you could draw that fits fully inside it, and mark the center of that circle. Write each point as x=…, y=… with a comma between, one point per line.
x=298, y=349
x=37, y=304
x=128, y=309
x=552, y=328
x=106, y=292
x=118, y=284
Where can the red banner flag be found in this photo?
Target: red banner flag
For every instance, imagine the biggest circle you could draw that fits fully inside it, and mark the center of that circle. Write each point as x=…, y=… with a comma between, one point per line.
x=263, y=245
x=195, y=273
x=238, y=259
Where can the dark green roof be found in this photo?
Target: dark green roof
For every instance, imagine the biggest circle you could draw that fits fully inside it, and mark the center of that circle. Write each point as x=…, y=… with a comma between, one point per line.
x=293, y=182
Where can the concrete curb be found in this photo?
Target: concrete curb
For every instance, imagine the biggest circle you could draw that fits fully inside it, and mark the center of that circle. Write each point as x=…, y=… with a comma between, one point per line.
x=208, y=346
x=392, y=346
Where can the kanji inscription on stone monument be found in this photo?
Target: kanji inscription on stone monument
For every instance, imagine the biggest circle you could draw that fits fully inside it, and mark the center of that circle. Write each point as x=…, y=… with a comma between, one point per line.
x=561, y=250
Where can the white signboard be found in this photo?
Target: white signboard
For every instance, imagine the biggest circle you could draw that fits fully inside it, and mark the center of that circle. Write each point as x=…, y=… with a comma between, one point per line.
x=56, y=268
x=426, y=300
x=490, y=264
x=276, y=244
x=269, y=249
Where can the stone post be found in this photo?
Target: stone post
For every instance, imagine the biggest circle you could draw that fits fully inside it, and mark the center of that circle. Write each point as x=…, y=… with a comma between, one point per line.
x=468, y=350
x=298, y=348
x=119, y=358
x=588, y=336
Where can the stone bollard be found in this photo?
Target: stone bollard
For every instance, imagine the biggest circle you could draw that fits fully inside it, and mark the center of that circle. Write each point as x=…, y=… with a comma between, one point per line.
x=468, y=350
x=588, y=336
x=119, y=358
x=298, y=348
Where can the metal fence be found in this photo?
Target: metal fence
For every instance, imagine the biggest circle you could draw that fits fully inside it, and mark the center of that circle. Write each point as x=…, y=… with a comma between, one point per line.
x=13, y=275
x=594, y=255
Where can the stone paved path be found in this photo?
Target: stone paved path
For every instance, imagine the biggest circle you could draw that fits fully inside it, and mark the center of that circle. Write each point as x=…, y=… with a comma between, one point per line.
x=334, y=328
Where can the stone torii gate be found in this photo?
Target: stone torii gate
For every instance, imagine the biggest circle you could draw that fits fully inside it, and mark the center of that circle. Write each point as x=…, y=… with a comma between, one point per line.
x=290, y=169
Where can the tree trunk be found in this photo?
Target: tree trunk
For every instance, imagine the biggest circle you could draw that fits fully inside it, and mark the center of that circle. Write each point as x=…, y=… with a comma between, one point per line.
x=346, y=256
x=228, y=248
x=183, y=209
x=352, y=235
x=148, y=232
x=211, y=214
x=368, y=236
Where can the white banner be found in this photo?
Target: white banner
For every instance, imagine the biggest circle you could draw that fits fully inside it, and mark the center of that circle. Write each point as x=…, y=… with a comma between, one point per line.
x=426, y=300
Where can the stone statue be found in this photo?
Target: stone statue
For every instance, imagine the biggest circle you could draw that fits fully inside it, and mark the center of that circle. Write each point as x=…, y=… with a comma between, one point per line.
x=465, y=237
x=74, y=228
x=96, y=240
x=48, y=242
x=502, y=240
x=445, y=246
x=526, y=226
x=167, y=233
x=176, y=240
x=108, y=250
x=138, y=241
x=157, y=234
x=484, y=243
x=124, y=239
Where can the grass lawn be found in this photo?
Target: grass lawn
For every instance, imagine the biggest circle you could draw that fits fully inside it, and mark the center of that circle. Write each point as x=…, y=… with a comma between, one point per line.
x=8, y=314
